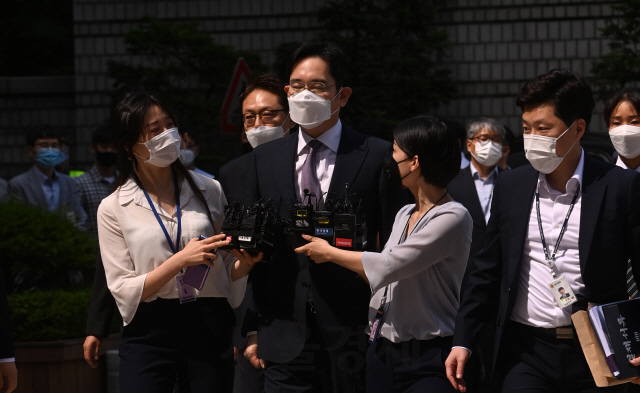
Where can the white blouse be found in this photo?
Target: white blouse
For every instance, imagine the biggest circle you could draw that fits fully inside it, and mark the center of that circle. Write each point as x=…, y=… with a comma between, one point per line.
x=132, y=243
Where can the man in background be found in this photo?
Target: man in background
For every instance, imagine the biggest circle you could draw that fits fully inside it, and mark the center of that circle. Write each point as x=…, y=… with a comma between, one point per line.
x=265, y=113
x=42, y=185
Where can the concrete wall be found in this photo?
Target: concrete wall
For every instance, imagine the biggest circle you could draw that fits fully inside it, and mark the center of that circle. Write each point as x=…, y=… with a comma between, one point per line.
x=496, y=45
x=27, y=102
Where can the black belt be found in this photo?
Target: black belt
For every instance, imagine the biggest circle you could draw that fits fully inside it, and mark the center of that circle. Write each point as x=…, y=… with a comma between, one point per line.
x=560, y=333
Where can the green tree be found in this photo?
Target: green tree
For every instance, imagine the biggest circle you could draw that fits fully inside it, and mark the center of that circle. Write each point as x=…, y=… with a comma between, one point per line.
x=621, y=65
x=189, y=70
x=396, y=57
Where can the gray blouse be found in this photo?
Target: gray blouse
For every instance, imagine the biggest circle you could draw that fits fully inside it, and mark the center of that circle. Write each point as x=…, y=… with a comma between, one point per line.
x=423, y=273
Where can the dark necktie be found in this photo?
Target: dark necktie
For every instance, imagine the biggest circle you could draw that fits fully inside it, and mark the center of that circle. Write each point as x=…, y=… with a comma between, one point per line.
x=309, y=175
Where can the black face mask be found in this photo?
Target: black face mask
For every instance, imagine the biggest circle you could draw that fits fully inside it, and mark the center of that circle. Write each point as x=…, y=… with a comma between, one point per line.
x=392, y=171
x=106, y=158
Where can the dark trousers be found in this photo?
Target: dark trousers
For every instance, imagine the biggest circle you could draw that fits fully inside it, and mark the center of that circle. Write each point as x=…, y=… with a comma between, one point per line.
x=409, y=366
x=533, y=361
x=318, y=369
x=188, y=344
x=248, y=378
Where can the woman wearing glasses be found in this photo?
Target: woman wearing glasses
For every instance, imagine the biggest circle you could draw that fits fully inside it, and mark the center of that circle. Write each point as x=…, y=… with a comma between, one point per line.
x=416, y=278
x=148, y=230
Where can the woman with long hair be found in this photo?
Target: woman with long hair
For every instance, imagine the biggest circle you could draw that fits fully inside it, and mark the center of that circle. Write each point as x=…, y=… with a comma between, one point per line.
x=148, y=231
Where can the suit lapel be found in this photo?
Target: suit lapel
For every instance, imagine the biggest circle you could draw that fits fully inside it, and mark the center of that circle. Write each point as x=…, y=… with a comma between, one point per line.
x=520, y=204
x=349, y=159
x=35, y=184
x=285, y=164
x=592, y=197
x=470, y=184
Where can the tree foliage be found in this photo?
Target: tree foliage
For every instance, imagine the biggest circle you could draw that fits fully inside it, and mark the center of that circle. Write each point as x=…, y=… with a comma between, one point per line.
x=396, y=57
x=621, y=65
x=186, y=67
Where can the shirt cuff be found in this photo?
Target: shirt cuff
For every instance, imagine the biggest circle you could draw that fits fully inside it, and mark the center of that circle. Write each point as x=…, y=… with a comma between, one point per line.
x=251, y=333
x=468, y=350
x=8, y=360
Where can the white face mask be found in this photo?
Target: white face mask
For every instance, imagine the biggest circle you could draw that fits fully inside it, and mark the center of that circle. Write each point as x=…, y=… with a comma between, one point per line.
x=187, y=156
x=626, y=140
x=310, y=110
x=541, y=151
x=164, y=148
x=487, y=153
x=263, y=134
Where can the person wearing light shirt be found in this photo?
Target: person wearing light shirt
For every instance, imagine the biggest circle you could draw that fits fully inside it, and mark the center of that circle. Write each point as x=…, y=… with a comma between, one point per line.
x=567, y=220
x=473, y=188
x=416, y=279
x=148, y=232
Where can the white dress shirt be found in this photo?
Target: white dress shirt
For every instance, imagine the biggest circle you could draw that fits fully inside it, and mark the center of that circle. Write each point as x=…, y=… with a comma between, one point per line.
x=624, y=166
x=325, y=157
x=132, y=243
x=484, y=188
x=535, y=304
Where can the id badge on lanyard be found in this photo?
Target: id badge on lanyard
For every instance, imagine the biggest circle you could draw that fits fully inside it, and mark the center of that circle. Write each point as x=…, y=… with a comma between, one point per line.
x=559, y=286
x=186, y=293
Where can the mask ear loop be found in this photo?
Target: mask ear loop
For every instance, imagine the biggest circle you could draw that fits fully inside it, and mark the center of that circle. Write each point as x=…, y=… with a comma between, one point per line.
x=331, y=100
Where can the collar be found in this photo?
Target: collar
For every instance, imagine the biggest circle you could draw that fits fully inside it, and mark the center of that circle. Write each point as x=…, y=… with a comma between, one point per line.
x=96, y=176
x=330, y=138
x=476, y=175
x=131, y=192
x=572, y=183
x=624, y=166
x=43, y=178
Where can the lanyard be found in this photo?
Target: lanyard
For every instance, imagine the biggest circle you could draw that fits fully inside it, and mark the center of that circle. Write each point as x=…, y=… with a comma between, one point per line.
x=551, y=259
x=166, y=234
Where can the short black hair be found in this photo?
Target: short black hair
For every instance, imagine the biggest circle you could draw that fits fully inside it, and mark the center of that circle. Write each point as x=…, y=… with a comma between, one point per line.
x=102, y=136
x=270, y=83
x=629, y=94
x=569, y=93
x=434, y=143
x=329, y=52
x=41, y=132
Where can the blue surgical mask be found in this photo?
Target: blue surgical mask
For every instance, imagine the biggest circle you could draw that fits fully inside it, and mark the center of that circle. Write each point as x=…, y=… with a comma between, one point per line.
x=48, y=158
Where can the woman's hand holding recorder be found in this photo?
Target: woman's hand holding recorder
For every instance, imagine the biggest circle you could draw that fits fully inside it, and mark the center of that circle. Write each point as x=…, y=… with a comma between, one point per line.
x=201, y=252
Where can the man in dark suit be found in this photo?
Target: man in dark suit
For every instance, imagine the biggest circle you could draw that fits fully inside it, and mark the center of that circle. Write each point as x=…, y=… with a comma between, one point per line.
x=42, y=185
x=567, y=220
x=312, y=317
x=265, y=114
x=8, y=372
x=473, y=187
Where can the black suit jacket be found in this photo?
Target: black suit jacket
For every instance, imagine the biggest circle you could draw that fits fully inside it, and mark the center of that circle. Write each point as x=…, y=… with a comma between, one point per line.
x=341, y=297
x=609, y=236
x=6, y=340
x=463, y=189
x=235, y=183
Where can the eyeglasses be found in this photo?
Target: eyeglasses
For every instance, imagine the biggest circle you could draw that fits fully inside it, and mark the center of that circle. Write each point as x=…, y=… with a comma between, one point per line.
x=267, y=116
x=314, y=87
x=487, y=138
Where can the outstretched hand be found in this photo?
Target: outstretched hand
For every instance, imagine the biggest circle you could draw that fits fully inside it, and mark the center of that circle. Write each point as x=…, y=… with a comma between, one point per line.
x=319, y=250
x=635, y=362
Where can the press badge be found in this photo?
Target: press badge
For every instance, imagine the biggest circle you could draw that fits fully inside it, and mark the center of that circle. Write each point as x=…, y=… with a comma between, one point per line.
x=562, y=292
x=377, y=324
x=186, y=292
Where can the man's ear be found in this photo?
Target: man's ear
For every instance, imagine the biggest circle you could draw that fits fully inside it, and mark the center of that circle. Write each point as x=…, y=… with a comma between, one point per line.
x=344, y=95
x=470, y=145
x=31, y=151
x=581, y=127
